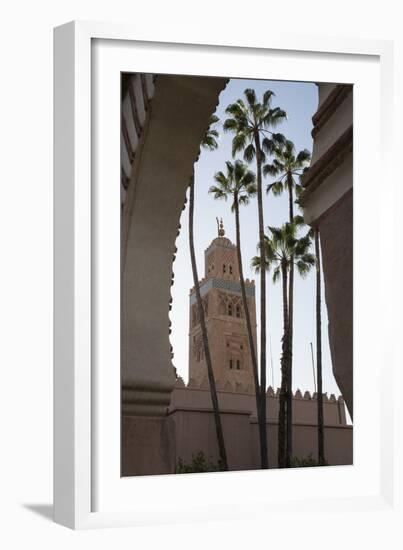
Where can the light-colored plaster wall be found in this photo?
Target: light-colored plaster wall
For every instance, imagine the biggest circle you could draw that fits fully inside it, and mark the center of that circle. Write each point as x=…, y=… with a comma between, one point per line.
x=327, y=203
x=154, y=446
x=338, y=122
x=191, y=412
x=336, y=231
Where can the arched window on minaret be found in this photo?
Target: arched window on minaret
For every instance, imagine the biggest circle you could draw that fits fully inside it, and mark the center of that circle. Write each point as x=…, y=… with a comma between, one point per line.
x=224, y=268
x=230, y=310
x=238, y=364
x=238, y=311
x=230, y=363
x=230, y=269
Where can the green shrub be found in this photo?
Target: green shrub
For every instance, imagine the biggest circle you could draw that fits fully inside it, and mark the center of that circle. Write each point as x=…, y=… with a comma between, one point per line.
x=306, y=462
x=199, y=463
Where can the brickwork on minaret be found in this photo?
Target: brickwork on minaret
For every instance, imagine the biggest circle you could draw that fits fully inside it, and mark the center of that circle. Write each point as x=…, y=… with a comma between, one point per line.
x=225, y=317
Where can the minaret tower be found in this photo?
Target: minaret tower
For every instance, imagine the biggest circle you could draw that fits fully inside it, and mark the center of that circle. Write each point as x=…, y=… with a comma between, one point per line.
x=225, y=317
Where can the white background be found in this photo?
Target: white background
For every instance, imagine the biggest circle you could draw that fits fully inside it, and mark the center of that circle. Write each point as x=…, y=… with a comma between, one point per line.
x=26, y=274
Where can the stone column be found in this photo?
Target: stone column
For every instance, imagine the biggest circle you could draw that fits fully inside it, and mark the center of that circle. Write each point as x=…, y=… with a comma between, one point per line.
x=327, y=202
x=179, y=114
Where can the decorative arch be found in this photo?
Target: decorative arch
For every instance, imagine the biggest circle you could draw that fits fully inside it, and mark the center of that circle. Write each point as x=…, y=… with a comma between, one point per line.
x=178, y=116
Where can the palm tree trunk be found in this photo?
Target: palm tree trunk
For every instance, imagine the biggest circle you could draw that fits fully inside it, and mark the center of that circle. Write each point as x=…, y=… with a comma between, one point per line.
x=281, y=444
x=290, y=361
x=263, y=434
x=321, y=435
x=262, y=427
x=290, y=332
x=217, y=419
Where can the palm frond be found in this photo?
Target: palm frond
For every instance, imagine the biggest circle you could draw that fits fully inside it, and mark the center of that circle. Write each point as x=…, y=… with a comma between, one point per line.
x=268, y=145
x=302, y=246
x=230, y=170
x=276, y=274
x=249, y=179
x=244, y=200
x=238, y=182
x=251, y=189
x=283, y=247
x=256, y=263
x=250, y=95
x=298, y=221
x=249, y=152
x=276, y=188
x=298, y=189
x=221, y=179
x=218, y=192
x=276, y=235
x=289, y=148
x=304, y=267
x=267, y=96
x=273, y=169
x=209, y=142
x=309, y=259
x=303, y=157
x=230, y=125
x=277, y=116
x=270, y=251
x=235, y=109
x=238, y=143
x=242, y=175
x=262, y=156
x=278, y=139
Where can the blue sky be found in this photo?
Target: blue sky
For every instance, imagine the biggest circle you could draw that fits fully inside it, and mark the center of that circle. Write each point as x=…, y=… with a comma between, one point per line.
x=299, y=100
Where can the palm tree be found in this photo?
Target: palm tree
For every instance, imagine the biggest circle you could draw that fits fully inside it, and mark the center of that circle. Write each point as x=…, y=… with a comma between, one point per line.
x=321, y=435
x=251, y=122
x=282, y=250
x=239, y=184
x=287, y=167
x=209, y=142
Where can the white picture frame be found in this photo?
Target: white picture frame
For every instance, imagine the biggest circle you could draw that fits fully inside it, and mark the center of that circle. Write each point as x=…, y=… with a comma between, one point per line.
x=88, y=491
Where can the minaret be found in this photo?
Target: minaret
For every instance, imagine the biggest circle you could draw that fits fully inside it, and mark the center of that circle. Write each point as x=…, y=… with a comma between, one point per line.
x=225, y=317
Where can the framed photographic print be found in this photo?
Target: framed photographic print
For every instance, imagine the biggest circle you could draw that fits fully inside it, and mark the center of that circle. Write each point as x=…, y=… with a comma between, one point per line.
x=211, y=311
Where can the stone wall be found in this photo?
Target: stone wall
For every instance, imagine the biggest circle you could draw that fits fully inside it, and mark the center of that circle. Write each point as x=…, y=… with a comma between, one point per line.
x=189, y=428
x=192, y=416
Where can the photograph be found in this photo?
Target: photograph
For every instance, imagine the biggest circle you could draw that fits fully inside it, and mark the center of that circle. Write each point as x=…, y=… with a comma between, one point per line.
x=236, y=274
